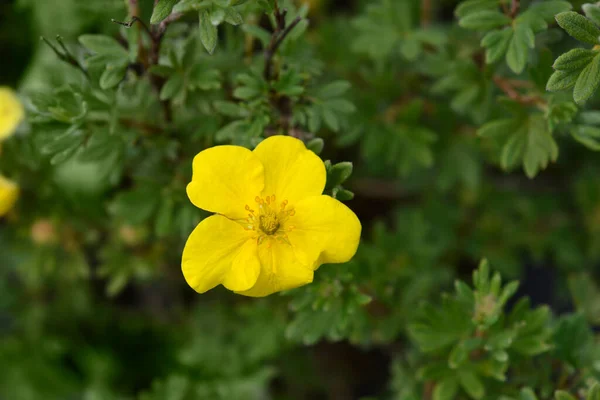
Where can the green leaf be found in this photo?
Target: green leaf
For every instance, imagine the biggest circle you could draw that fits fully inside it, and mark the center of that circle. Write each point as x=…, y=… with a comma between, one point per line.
x=472, y=384
x=231, y=109
x=547, y=9
x=578, y=27
x=588, y=81
x=162, y=10
x=112, y=76
x=233, y=17
x=514, y=149
x=172, y=87
x=518, y=48
x=590, y=117
x=498, y=128
x=562, y=395
x=208, y=32
x=592, y=11
x=562, y=80
x=104, y=45
x=316, y=145
x=496, y=43
x=343, y=195
x=164, y=217
x=540, y=148
x=574, y=59
x=164, y=71
x=446, y=389
x=334, y=89
x=338, y=174
x=473, y=6
x=594, y=393
x=588, y=136
x=527, y=394
x=484, y=20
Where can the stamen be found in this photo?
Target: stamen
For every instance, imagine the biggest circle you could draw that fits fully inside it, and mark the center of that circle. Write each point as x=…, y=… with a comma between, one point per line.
x=269, y=221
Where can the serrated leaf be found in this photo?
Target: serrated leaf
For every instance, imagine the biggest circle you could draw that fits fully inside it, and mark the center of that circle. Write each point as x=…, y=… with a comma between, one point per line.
x=338, y=174
x=588, y=81
x=514, y=149
x=562, y=80
x=496, y=44
x=112, y=76
x=233, y=17
x=164, y=71
x=484, y=20
x=594, y=393
x=592, y=11
x=547, y=9
x=231, y=109
x=590, y=117
x=172, y=87
x=446, y=389
x=518, y=48
x=208, y=32
x=472, y=384
x=562, y=395
x=527, y=394
x=344, y=195
x=498, y=128
x=105, y=45
x=472, y=6
x=334, y=89
x=541, y=147
x=574, y=59
x=578, y=27
x=162, y=10
x=588, y=136
x=315, y=145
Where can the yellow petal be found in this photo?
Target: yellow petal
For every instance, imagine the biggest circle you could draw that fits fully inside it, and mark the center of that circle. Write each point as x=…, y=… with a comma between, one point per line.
x=216, y=249
x=9, y=192
x=280, y=269
x=292, y=172
x=11, y=112
x=325, y=231
x=225, y=179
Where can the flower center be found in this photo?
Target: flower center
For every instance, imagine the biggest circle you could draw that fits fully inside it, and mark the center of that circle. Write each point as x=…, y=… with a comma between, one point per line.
x=269, y=219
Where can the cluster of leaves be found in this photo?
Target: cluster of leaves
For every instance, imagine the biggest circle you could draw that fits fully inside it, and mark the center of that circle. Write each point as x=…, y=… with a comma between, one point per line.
x=432, y=111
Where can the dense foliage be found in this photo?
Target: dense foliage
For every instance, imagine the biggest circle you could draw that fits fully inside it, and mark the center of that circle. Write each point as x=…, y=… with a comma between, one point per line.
x=458, y=131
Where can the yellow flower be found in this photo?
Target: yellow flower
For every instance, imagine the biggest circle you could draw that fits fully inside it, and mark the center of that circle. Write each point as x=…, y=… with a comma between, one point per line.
x=273, y=226
x=9, y=192
x=11, y=112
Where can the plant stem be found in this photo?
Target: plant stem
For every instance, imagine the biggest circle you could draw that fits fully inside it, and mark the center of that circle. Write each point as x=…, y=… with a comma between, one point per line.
x=426, y=10
x=509, y=88
x=279, y=35
x=65, y=55
x=514, y=8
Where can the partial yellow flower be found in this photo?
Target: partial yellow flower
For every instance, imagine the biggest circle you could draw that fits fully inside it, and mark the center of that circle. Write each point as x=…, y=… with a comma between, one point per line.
x=11, y=112
x=9, y=192
x=273, y=227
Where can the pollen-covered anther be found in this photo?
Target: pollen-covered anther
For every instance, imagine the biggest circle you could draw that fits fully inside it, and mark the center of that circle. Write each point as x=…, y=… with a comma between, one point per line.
x=269, y=220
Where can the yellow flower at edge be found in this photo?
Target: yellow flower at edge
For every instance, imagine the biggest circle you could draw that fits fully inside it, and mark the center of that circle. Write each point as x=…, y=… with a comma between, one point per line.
x=9, y=192
x=273, y=227
x=11, y=112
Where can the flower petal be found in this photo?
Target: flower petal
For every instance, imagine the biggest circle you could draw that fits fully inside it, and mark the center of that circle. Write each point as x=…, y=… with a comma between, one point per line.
x=225, y=179
x=325, y=231
x=280, y=269
x=11, y=112
x=292, y=172
x=9, y=192
x=245, y=269
x=217, y=252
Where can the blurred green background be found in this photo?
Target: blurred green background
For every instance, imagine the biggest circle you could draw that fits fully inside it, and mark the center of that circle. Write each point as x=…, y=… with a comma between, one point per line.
x=93, y=304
